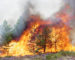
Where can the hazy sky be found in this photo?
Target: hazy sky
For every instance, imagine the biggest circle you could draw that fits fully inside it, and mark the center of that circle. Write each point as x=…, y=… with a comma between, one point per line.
x=11, y=10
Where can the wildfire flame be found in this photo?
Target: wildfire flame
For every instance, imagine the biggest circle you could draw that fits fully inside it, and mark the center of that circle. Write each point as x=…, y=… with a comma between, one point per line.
x=60, y=34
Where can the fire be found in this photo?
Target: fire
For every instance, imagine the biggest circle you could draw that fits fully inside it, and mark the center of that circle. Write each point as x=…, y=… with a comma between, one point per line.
x=59, y=38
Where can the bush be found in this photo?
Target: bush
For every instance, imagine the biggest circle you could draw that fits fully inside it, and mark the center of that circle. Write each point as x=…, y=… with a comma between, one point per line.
x=59, y=54
x=8, y=56
x=53, y=56
x=67, y=53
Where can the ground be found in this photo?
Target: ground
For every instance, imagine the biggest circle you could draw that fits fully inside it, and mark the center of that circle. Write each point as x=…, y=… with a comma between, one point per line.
x=48, y=56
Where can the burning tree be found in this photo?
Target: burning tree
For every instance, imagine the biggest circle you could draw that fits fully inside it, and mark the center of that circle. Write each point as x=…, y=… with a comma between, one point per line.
x=42, y=39
x=40, y=36
x=45, y=37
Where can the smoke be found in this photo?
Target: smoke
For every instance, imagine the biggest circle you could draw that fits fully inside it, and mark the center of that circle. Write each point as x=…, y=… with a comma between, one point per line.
x=11, y=10
x=15, y=12
x=46, y=8
x=72, y=22
x=18, y=11
x=21, y=24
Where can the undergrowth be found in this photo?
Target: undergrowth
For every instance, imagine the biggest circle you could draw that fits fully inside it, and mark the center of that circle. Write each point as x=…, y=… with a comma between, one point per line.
x=54, y=56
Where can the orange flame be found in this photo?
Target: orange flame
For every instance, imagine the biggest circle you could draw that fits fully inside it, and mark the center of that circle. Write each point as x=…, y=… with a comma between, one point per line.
x=21, y=47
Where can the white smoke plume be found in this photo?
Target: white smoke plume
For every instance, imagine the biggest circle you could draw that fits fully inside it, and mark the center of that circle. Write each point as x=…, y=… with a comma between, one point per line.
x=72, y=23
x=46, y=8
x=13, y=11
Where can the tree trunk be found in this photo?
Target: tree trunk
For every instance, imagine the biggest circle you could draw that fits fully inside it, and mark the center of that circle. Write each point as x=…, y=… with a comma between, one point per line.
x=44, y=48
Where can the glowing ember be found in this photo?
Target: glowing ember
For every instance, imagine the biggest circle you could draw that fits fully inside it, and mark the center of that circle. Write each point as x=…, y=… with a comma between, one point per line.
x=59, y=38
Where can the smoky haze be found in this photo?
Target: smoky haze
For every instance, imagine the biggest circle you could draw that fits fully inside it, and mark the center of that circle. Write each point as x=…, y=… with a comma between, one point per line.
x=14, y=11
x=72, y=23
x=46, y=8
x=19, y=10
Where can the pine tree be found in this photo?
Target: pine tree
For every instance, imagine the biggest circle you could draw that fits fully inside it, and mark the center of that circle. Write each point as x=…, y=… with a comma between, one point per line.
x=6, y=32
x=5, y=28
x=44, y=38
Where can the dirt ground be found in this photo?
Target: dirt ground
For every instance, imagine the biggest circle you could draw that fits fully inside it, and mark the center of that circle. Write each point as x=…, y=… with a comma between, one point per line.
x=37, y=57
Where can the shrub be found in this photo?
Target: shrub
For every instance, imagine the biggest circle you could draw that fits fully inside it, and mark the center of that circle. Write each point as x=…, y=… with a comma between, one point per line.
x=54, y=56
x=8, y=56
x=67, y=53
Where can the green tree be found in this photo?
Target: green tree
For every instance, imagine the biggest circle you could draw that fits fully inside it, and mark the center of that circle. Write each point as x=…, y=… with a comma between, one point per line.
x=5, y=28
x=6, y=31
x=8, y=38
x=43, y=38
